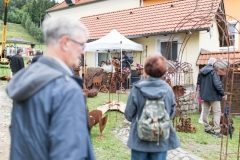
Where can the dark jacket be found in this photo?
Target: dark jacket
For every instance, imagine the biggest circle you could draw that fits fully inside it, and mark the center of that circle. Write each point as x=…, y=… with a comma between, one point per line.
x=35, y=58
x=211, y=88
x=16, y=63
x=49, y=118
x=150, y=88
x=126, y=61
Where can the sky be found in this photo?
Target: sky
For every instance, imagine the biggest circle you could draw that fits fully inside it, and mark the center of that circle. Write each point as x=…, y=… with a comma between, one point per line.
x=59, y=1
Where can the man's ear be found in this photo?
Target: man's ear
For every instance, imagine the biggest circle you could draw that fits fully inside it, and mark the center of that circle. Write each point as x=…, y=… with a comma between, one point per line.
x=64, y=43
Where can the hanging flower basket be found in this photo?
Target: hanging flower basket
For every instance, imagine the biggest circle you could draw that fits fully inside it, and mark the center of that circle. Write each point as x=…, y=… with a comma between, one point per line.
x=139, y=69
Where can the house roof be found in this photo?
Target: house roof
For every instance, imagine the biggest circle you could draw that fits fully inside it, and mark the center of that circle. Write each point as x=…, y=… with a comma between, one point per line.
x=64, y=5
x=204, y=56
x=155, y=19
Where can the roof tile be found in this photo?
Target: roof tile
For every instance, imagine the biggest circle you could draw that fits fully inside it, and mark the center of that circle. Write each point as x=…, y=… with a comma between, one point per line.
x=153, y=19
x=64, y=5
x=204, y=56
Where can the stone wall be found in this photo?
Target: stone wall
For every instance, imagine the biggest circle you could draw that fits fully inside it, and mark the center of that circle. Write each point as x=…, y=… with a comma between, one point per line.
x=188, y=102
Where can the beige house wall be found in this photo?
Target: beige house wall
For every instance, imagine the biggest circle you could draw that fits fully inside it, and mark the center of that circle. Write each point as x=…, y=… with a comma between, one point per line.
x=232, y=8
x=209, y=40
x=190, y=52
x=95, y=8
x=203, y=39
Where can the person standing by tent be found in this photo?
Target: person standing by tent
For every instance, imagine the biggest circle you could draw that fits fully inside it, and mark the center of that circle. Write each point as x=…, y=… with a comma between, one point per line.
x=126, y=61
x=126, y=65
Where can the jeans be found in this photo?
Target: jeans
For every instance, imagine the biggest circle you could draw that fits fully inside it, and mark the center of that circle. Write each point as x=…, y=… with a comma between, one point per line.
x=216, y=107
x=138, y=155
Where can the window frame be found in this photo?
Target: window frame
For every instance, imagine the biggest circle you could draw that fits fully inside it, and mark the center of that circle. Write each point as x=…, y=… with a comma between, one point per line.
x=96, y=57
x=236, y=38
x=166, y=39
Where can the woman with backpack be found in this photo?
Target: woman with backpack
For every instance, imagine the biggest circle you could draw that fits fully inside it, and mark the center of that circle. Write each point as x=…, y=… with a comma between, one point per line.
x=151, y=133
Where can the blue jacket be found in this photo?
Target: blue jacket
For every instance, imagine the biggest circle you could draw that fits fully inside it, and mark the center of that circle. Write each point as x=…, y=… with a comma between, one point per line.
x=49, y=118
x=211, y=88
x=150, y=88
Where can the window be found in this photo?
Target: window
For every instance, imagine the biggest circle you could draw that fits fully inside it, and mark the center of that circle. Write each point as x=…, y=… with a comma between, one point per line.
x=233, y=33
x=99, y=57
x=173, y=48
x=172, y=51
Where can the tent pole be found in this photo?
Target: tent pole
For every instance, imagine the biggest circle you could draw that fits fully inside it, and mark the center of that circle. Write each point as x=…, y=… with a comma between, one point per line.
x=121, y=62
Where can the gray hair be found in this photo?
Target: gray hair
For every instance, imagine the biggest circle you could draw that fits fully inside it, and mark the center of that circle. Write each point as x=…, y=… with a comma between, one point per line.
x=39, y=51
x=55, y=28
x=19, y=50
x=212, y=60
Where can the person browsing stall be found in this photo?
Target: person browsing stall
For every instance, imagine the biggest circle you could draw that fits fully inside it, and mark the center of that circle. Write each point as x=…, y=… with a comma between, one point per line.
x=211, y=91
x=153, y=87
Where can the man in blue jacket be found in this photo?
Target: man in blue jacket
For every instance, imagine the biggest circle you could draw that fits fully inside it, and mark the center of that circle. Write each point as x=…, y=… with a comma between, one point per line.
x=211, y=91
x=49, y=117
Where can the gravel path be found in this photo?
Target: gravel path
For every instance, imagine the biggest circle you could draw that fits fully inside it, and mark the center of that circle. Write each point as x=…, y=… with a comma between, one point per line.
x=176, y=154
x=5, y=110
x=121, y=133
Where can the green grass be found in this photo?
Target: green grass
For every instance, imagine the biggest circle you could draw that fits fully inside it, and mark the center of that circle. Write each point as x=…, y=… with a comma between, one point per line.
x=17, y=30
x=207, y=146
x=199, y=143
x=5, y=69
x=110, y=148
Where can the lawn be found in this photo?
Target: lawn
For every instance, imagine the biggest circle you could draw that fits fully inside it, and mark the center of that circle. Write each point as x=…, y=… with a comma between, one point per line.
x=17, y=30
x=5, y=69
x=112, y=148
x=199, y=143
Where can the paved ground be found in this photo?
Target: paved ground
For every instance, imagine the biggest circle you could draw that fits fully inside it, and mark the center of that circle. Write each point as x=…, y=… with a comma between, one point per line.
x=176, y=154
x=179, y=154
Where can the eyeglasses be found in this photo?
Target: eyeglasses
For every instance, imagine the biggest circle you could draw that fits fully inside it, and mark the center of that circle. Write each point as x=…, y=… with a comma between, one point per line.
x=81, y=44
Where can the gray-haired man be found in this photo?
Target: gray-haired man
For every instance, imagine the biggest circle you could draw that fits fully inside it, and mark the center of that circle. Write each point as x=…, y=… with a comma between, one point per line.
x=211, y=91
x=16, y=62
x=49, y=118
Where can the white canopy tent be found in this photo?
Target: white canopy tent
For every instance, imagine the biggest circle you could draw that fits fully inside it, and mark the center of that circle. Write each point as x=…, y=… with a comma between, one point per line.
x=112, y=41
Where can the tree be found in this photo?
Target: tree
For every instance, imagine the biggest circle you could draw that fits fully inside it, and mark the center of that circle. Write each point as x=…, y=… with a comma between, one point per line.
x=39, y=35
x=29, y=13
x=28, y=23
x=23, y=20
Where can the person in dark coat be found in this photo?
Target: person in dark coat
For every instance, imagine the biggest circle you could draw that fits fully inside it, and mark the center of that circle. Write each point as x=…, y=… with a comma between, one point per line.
x=125, y=60
x=16, y=62
x=151, y=88
x=211, y=91
x=39, y=53
x=125, y=65
x=49, y=116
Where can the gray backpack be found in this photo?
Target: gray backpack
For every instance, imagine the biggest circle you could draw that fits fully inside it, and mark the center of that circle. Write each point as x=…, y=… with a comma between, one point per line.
x=154, y=124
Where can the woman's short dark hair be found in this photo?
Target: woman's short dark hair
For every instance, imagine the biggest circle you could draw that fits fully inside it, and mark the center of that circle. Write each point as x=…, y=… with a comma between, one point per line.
x=155, y=66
